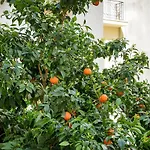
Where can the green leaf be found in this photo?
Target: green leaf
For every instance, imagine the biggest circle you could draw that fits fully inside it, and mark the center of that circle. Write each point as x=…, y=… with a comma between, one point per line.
x=118, y=102
x=140, y=127
x=44, y=26
x=46, y=108
x=72, y=92
x=104, y=147
x=82, y=128
x=131, y=139
x=79, y=147
x=136, y=130
x=64, y=143
x=75, y=125
x=22, y=88
x=58, y=91
x=29, y=89
x=147, y=133
x=7, y=146
x=63, y=73
x=121, y=143
x=42, y=122
x=45, y=98
x=81, y=112
x=31, y=85
x=74, y=19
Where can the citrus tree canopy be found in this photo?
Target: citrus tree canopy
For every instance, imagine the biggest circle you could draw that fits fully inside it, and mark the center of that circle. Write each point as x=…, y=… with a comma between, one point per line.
x=52, y=95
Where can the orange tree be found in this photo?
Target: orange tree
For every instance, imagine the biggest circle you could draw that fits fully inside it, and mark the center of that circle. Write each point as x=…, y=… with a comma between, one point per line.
x=52, y=95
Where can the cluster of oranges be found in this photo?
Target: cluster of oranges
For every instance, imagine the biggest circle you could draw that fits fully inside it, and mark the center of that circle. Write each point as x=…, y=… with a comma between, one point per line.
x=55, y=80
x=87, y=71
x=110, y=132
x=102, y=99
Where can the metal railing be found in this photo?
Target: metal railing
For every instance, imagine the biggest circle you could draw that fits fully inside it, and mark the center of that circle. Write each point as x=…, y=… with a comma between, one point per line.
x=113, y=10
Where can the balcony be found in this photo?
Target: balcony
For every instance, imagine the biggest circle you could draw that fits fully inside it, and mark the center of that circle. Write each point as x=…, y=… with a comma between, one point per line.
x=113, y=10
x=114, y=13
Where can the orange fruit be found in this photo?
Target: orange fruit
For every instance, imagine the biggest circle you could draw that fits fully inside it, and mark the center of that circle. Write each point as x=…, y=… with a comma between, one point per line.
x=119, y=93
x=110, y=88
x=141, y=105
x=111, y=131
x=137, y=99
x=67, y=116
x=99, y=105
x=103, y=98
x=87, y=71
x=96, y=3
x=109, y=142
x=54, y=80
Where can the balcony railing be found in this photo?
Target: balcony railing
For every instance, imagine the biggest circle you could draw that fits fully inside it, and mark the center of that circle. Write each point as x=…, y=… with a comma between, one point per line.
x=113, y=10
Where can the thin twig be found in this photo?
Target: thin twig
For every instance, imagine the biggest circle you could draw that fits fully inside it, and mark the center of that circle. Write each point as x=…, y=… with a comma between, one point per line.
x=45, y=76
x=40, y=72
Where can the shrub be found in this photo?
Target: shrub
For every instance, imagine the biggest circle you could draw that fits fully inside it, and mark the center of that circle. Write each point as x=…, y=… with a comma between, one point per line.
x=36, y=113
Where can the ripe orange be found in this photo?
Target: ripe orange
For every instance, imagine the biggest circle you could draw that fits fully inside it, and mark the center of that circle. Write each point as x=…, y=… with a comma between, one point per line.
x=110, y=88
x=67, y=116
x=54, y=80
x=119, y=93
x=99, y=105
x=103, y=98
x=109, y=142
x=111, y=131
x=96, y=3
x=141, y=105
x=87, y=71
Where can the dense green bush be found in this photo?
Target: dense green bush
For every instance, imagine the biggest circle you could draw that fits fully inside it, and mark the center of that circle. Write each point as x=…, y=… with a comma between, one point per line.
x=32, y=109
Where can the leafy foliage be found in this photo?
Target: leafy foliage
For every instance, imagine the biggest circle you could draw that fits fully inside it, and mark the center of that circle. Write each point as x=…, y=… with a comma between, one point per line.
x=32, y=109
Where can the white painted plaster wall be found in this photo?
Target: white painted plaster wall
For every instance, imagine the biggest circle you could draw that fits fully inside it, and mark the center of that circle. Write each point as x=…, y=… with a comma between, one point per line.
x=94, y=19
x=4, y=7
x=138, y=29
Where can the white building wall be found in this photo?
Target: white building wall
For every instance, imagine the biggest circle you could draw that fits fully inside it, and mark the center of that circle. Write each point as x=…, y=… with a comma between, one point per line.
x=4, y=7
x=137, y=30
x=94, y=19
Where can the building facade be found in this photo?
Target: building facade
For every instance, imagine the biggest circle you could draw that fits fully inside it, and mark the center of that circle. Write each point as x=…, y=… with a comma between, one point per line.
x=129, y=19
x=138, y=28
